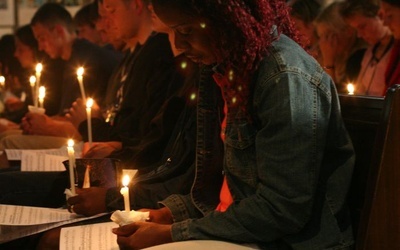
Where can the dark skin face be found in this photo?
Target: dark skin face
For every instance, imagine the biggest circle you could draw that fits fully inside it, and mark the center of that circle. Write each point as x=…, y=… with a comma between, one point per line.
x=192, y=34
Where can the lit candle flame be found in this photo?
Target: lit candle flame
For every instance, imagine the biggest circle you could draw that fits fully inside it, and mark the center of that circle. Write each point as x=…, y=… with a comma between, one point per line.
x=80, y=71
x=42, y=92
x=70, y=143
x=125, y=180
x=350, y=88
x=39, y=68
x=89, y=103
x=32, y=80
x=2, y=80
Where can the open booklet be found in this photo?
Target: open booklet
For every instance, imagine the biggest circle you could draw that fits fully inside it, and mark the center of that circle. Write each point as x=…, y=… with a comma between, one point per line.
x=20, y=221
x=42, y=159
x=93, y=236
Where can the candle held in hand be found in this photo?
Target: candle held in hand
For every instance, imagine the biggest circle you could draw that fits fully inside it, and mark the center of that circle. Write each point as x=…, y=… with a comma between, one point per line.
x=125, y=192
x=39, y=68
x=89, y=105
x=71, y=157
x=79, y=74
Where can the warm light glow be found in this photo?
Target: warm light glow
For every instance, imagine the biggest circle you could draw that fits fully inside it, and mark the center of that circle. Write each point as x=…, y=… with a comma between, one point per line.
x=70, y=143
x=125, y=180
x=350, y=88
x=2, y=80
x=240, y=88
x=39, y=68
x=230, y=75
x=234, y=100
x=32, y=80
x=80, y=71
x=203, y=25
x=192, y=96
x=183, y=65
x=42, y=92
x=89, y=103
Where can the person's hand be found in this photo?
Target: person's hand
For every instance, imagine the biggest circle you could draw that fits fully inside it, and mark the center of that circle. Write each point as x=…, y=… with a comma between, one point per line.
x=140, y=235
x=7, y=125
x=77, y=113
x=36, y=124
x=89, y=201
x=100, y=149
x=161, y=216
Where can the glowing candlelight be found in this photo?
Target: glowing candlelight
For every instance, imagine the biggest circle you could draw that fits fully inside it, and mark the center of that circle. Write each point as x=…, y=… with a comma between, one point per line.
x=89, y=104
x=39, y=68
x=32, y=81
x=42, y=94
x=350, y=89
x=79, y=74
x=71, y=156
x=125, y=192
x=2, y=81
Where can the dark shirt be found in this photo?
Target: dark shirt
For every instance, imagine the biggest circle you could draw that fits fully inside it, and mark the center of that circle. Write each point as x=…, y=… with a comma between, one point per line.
x=98, y=64
x=147, y=78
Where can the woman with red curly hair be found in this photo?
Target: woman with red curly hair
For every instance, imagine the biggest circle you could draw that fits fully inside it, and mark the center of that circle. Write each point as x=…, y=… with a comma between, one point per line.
x=288, y=159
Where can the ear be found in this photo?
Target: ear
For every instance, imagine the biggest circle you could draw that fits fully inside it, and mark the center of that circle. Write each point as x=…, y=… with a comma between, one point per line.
x=139, y=6
x=59, y=30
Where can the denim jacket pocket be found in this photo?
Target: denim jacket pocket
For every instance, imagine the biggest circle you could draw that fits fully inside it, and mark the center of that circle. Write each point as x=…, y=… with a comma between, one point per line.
x=240, y=155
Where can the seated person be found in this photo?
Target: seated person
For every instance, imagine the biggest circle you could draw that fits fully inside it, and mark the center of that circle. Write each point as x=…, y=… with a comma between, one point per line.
x=391, y=9
x=341, y=50
x=288, y=158
x=363, y=17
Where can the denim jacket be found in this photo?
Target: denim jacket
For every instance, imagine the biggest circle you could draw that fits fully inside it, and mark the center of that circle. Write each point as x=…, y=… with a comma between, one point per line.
x=288, y=170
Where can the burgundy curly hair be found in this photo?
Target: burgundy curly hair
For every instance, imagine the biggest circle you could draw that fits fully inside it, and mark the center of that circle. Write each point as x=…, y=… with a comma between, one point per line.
x=242, y=31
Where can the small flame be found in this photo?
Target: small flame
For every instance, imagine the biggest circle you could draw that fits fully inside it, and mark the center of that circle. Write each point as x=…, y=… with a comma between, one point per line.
x=125, y=180
x=80, y=71
x=350, y=88
x=39, y=68
x=32, y=80
x=89, y=103
x=42, y=92
x=70, y=143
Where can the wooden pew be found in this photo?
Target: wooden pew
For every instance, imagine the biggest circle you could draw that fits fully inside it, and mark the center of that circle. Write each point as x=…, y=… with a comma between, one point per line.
x=362, y=116
x=379, y=227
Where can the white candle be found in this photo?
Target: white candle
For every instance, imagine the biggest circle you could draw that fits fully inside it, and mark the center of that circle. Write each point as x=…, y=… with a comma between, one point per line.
x=39, y=68
x=89, y=104
x=71, y=157
x=2, y=81
x=42, y=94
x=350, y=88
x=125, y=192
x=79, y=74
x=32, y=81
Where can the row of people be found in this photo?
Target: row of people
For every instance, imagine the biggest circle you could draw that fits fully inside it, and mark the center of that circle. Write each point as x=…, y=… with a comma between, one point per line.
x=280, y=168
x=353, y=40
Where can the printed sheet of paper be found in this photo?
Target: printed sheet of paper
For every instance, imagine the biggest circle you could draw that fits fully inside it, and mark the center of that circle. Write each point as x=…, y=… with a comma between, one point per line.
x=94, y=236
x=36, y=161
x=16, y=154
x=20, y=221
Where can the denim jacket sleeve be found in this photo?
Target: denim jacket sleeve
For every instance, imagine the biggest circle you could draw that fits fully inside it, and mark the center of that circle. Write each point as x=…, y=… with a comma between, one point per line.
x=282, y=162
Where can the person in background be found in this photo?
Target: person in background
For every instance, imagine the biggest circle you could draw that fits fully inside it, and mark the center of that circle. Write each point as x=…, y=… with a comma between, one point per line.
x=391, y=17
x=341, y=50
x=28, y=55
x=303, y=13
x=54, y=30
x=288, y=159
x=85, y=24
x=363, y=17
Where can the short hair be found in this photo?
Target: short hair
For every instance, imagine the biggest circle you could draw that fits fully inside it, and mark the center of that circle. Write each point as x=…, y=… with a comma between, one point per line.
x=52, y=13
x=331, y=17
x=365, y=8
x=305, y=10
x=85, y=16
x=25, y=35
